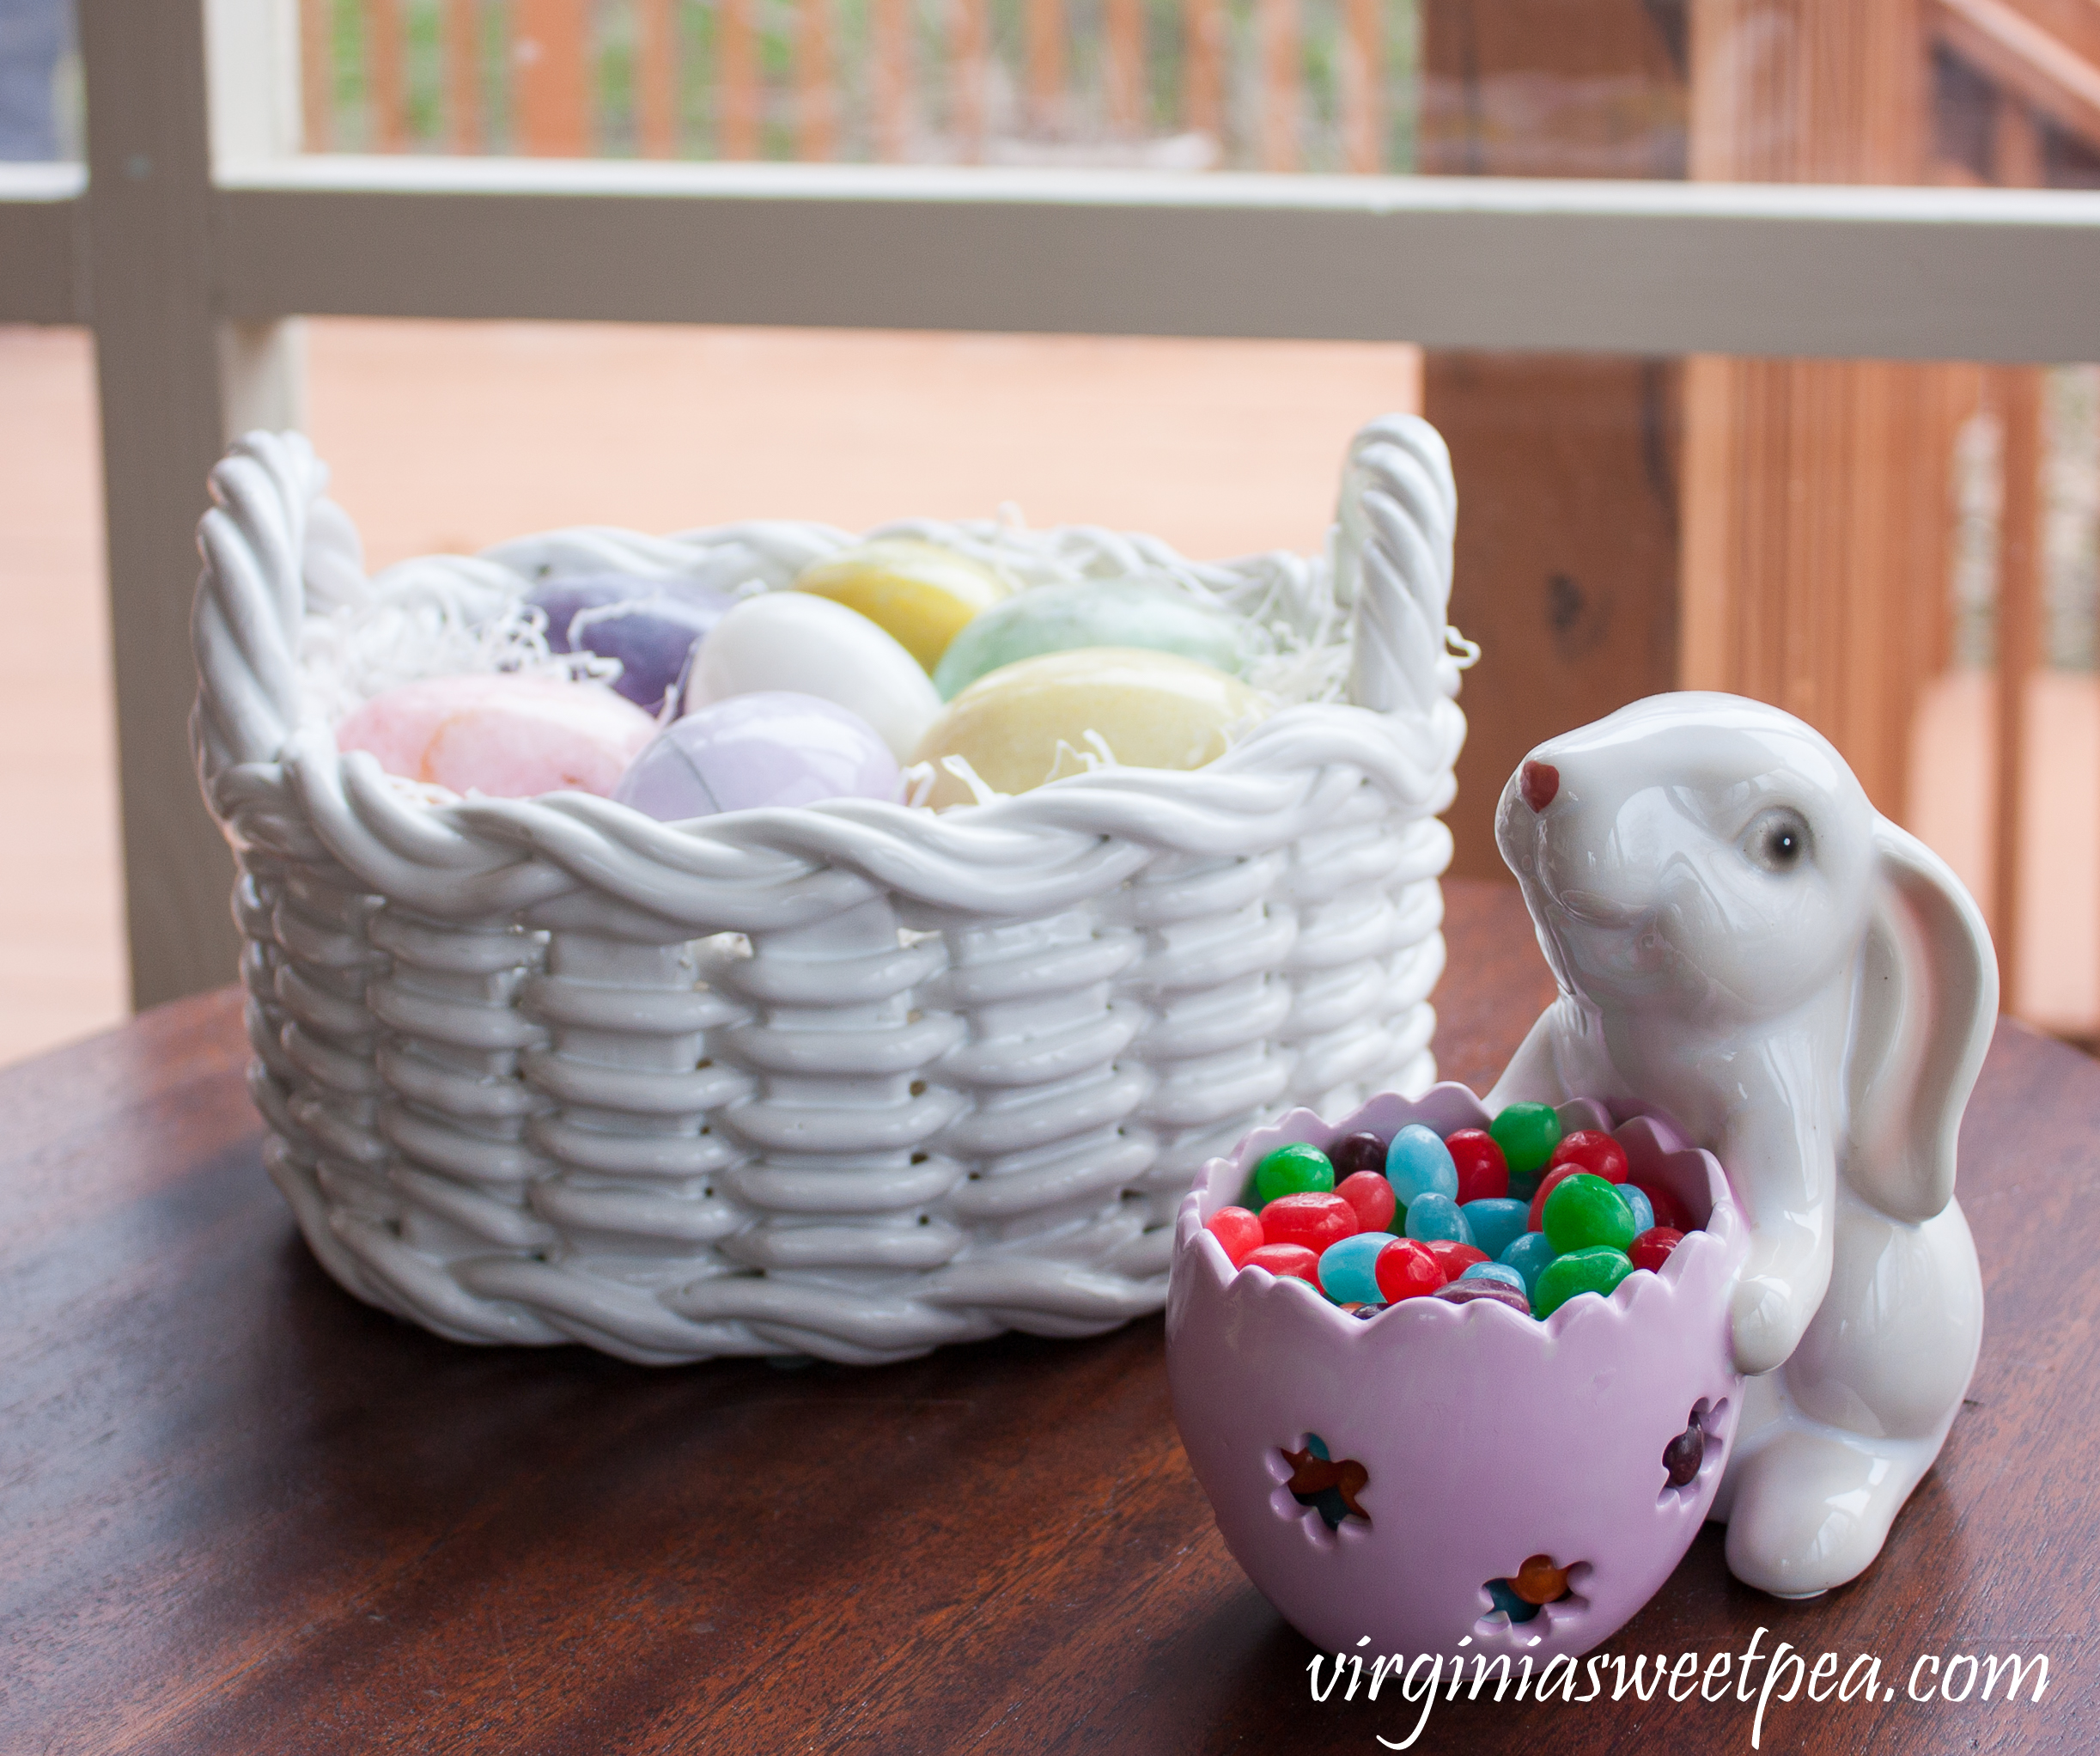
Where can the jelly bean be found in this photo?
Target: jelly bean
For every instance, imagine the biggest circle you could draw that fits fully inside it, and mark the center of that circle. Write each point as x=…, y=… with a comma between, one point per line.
x=1539, y=1582
x=1406, y=1271
x=1238, y=1231
x=1437, y=1217
x=1595, y=1269
x=1496, y=1224
x=1452, y=1257
x=1653, y=1247
x=1492, y=1292
x=1500, y=1272
x=1309, y=1218
x=1348, y=1268
x=1291, y=1170
x=1483, y=1172
x=1669, y=1210
x=1683, y=1455
x=1638, y=1206
x=1286, y=1262
x=1547, y=1184
x=1357, y=1152
x=1507, y=1600
x=1418, y=1163
x=1529, y=1256
x=1585, y=1209
x=1372, y=1196
x=1594, y=1151
x=1527, y=1133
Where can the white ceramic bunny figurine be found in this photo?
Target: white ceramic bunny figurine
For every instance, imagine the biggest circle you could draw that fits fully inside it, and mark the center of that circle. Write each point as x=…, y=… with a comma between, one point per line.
x=1742, y=942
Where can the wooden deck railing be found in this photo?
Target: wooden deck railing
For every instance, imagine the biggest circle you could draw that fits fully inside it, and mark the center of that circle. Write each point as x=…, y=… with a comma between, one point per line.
x=1297, y=86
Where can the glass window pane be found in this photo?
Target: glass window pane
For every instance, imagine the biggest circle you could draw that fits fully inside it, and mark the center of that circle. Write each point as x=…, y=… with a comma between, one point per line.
x=39, y=81
x=1756, y=90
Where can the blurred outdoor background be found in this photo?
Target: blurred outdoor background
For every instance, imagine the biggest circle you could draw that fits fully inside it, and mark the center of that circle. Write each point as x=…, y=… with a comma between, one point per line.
x=1874, y=545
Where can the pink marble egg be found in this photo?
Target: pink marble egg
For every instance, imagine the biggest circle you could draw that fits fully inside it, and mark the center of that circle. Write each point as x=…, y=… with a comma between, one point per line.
x=509, y=737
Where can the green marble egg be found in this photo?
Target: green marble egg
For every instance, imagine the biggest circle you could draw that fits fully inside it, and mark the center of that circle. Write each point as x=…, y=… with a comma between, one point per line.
x=1093, y=613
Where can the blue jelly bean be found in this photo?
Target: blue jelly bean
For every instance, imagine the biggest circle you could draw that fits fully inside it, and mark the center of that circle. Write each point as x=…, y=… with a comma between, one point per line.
x=1497, y=1271
x=1348, y=1272
x=1643, y=1210
x=1508, y=1602
x=1418, y=1163
x=1432, y=1216
x=1497, y=1223
x=1529, y=1256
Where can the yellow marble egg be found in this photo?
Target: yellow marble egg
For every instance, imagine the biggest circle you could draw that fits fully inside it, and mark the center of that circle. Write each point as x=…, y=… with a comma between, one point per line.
x=920, y=594
x=1027, y=723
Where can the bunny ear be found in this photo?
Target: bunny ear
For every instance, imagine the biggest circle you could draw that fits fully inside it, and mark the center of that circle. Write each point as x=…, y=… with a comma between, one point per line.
x=1921, y=1021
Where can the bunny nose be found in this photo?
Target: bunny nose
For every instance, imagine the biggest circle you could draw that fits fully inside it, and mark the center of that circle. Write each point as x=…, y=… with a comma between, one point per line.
x=1538, y=782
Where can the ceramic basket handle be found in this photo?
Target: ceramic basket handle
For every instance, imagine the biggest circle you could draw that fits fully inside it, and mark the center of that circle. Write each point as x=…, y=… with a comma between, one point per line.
x=1392, y=564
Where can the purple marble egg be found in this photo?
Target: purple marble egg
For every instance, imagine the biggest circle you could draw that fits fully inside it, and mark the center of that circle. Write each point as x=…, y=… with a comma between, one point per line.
x=769, y=748
x=651, y=626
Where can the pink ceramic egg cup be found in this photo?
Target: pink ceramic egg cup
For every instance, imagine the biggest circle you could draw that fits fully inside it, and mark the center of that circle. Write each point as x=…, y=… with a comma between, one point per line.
x=1487, y=1436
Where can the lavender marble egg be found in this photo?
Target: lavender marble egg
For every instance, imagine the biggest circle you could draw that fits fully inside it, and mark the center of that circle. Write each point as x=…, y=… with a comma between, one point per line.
x=651, y=626
x=768, y=748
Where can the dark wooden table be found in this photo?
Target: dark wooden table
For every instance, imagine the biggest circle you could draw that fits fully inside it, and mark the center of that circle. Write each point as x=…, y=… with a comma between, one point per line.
x=241, y=1512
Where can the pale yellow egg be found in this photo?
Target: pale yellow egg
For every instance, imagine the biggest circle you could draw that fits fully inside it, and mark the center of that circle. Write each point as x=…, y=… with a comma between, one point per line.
x=920, y=594
x=1026, y=723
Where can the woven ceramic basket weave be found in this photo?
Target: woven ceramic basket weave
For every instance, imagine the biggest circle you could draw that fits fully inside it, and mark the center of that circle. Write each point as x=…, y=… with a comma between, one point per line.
x=850, y=1080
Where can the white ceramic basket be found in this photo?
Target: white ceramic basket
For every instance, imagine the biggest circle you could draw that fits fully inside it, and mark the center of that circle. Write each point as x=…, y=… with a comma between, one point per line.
x=850, y=1080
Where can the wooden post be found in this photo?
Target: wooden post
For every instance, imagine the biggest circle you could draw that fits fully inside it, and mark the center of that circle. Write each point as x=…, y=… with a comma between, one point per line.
x=970, y=67
x=737, y=74
x=1566, y=565
x=1363, y=109
x=890, y=24
x=1125, y=70
x=1280, y=62
x=386, y=75
x=1043, y=54
x=551, y=47
x=816, y=127
x=174, y=385
x=1816, y=492
x=462, y=49
x=656, y=78
x=1202, y=77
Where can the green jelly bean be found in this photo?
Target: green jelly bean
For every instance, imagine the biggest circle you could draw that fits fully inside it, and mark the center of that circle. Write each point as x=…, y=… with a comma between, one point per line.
x=1293, y=1170
x=1598, y=1269
x=1527, y=1133
x=1586, y=1209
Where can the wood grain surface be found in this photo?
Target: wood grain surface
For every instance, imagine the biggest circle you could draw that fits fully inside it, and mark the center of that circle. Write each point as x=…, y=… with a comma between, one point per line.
x=240, y=1512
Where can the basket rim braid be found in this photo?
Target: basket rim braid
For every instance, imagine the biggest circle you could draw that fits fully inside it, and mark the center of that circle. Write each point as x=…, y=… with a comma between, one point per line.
x=850, y=1080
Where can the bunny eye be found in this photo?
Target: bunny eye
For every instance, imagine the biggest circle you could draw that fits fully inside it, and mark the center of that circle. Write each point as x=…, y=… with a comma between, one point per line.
x=1778, y=841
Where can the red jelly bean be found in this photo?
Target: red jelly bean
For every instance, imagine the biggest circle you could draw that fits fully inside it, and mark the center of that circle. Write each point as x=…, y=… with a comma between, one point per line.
x=1593, y=1150
x=1238, y=1230
x=1483, y=1172
x=1406, y=1270
x=1669, y=1210
x=1372, y=1197
x=1293, y=1261
x=1309, y=1218
x=1453, y=1258
x=1547, y=1185
x=1357, y=1152
x=1652, y=1248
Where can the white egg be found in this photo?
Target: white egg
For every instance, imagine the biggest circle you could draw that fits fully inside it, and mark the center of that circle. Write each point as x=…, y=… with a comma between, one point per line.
x=809, y=645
